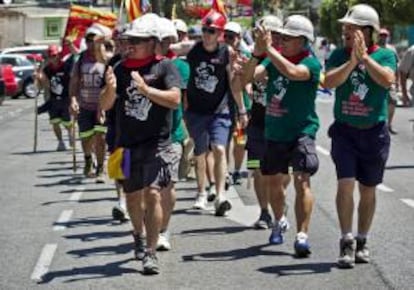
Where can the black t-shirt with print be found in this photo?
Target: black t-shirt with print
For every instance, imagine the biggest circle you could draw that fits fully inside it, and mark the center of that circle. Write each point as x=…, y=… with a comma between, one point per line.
x=258, y=110
x=143, y=122
x=208, y=85
x=58, y=80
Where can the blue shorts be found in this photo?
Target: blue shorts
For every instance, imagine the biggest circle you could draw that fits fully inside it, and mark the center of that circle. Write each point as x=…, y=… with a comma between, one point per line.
x=300, y=154
x=255, y=147
x=360, y=153
x=208, y=130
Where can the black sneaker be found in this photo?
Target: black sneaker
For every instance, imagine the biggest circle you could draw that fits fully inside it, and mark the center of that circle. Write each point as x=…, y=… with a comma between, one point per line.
x=150, y=264
x=362, y=252
x=100, y=177
x=227, y=183
x=88, y=169
x=346, y=258
x=237, y=178
x=119, y=214
x=139, y=246
x=221, y=206
x=264, y=222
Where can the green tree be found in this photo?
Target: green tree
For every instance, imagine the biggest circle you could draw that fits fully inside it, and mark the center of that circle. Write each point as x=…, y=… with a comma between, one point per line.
x=392, y=12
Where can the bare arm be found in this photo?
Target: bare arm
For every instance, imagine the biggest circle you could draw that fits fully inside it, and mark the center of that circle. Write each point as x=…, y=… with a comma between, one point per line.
x=182, y=48
x=337, y=76
x=107, y=98
x=383, y=76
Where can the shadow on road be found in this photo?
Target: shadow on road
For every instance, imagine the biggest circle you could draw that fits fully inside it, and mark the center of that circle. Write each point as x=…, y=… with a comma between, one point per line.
x=235, y=254
x=74, y=180
x=85, y=222
x=395, y=167
x=91, y=272
x=33, y=153
x=87, y=200
x=216, y=231
x=103, y=251
x=89, y=237
x=299, y=269
x=88, y=190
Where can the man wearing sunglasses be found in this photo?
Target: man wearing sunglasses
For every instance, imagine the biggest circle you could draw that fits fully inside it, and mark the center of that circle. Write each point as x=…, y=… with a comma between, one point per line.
x=291, y=123
x=85, y=88
x=208, y=115
x=147, y=88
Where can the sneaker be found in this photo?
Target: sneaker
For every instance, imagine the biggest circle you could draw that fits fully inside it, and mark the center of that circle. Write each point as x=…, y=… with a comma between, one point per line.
x=61, y=146
x=119, y=214
x=163, y=243
x=212, y=193
x=88, y=169
x=139, y=246
x=362, y=252
x=237, y=178
x=276, y=237
x=221, y=205
x=150, y=264
x=346, y=258
x=227, y=183
x=100, y=177
x=201, y=201
x=301, y=245
x=264, y=222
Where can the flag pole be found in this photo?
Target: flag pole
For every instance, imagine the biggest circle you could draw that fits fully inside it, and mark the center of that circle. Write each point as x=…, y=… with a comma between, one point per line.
x=121, y=12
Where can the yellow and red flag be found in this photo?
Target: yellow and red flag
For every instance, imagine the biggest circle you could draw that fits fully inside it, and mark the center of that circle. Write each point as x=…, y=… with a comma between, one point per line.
x=80, y=18
x=219, y=6
x=135, y=8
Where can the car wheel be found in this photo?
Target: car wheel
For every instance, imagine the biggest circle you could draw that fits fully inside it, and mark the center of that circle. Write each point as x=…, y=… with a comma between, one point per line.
x=15, y=96
x=30, y=90
x=6, y=2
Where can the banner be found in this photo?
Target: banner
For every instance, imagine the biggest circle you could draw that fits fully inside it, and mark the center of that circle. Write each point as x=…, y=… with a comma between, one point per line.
x=80, y=18
x=135, y=8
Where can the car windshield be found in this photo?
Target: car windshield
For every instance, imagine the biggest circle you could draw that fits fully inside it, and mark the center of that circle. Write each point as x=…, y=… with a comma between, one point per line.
x=26, y=62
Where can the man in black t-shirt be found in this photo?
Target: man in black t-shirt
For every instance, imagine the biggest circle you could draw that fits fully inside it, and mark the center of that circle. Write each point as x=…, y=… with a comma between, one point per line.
x=147, y=89
x=56, y=81
x=208, y=115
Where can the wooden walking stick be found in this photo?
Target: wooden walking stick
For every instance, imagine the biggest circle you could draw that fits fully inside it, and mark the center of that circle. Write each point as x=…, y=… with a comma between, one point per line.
x=73, y=133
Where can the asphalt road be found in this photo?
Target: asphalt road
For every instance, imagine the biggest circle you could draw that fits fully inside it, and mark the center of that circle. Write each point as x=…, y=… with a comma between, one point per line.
x=57, y=231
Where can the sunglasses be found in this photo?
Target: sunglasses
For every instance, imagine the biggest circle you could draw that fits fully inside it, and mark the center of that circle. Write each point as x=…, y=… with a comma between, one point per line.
x=287, y=38
x=90, y=39
x=137, y=40
x=209, y=30
x=229, y=36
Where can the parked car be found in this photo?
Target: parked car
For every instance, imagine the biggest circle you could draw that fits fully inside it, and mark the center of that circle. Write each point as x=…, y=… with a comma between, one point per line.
x=23, y=70
x=38, y=53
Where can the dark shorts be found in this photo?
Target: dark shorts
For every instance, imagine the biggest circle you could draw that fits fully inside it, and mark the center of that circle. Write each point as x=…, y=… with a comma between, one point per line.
x=150, y=167
x=110, y=137
x=59, y=113
x=360, y=153
x=300, y=154
x=88, y=124
x=255, y=147
x=207, y=130
x=177, y=152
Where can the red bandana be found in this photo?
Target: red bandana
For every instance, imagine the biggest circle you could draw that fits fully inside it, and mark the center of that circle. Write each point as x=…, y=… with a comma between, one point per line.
x=137, y=63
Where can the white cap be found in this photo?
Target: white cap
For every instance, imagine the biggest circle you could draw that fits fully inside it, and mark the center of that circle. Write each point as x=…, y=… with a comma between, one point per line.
x=145, y=26
x=167, y=29
x=99, y=30
x=180, y=25
x=233, y=27
x=298, y=25
x=362, y=15
x=271, y=22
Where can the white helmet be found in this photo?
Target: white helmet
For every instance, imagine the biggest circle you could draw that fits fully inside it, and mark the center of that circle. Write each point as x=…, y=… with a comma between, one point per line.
x=298, y=25
x=362, y=15
x=233, y=27
x=167, y=29
x=271, y=22
x=180, y=25
x=144, y=26
x=99, y=30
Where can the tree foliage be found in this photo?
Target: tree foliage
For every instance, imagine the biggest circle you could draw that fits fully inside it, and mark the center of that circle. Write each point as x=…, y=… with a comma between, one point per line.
x=392, y=12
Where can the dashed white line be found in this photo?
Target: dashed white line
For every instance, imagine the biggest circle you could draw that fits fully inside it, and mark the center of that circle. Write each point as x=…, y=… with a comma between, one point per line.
x=44, y=262
x=76, y=196
x=384, y=188
x=322, y=150
x=407, y=201
x=63, y=219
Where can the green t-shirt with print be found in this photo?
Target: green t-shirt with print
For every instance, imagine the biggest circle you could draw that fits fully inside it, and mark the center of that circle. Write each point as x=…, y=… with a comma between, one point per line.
x=360, y=101
x=178, y=131
x=290, y=110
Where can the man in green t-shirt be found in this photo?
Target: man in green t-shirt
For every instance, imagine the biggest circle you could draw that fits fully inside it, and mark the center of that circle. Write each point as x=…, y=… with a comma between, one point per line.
x=290, y=123
x=362, y=73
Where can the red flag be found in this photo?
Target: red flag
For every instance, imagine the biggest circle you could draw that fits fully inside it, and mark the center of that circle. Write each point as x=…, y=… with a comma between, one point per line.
x=219, y=6
x=80, y=18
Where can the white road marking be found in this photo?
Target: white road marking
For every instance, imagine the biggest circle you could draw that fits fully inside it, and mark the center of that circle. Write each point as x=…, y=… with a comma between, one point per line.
x=63, y=219
x=240, y=213
x=407, y=201
x=76, y=196
x=322, y=150
x=44, y=262
x=384, y=188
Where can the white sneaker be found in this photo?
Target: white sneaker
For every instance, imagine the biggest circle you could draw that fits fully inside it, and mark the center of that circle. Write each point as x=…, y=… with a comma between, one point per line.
x=212, y=193
x=222, y=205
x=163, y=243
x=201, y=201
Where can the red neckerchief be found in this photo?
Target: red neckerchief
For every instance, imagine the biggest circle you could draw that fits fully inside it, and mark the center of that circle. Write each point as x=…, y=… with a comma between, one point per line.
x=170, y=54
x=297, y=58
x=371, y=49
x=137, y=63
x=56, y=67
